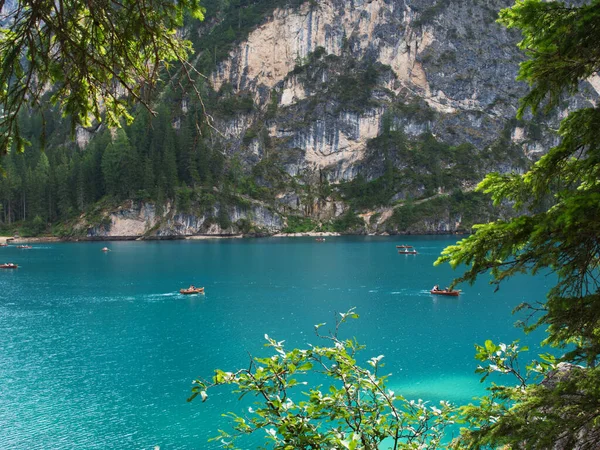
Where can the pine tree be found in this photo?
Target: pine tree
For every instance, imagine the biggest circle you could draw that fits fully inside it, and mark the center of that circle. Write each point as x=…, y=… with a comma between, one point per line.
x=64, y=190
x=9, y=185
x=149, y=184
x=555, y=401
x=169, y=164
x=120, y=167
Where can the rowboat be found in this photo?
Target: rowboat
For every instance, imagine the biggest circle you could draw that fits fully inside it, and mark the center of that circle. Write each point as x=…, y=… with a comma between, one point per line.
x=23, y=246
x=407, y=252
x=404, y=246
x=189, y=291
x=8, y=266
x=451, y=293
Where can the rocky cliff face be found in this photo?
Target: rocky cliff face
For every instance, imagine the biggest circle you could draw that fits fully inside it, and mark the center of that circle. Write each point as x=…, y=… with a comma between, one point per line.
x=143, y=220
x=368, y=109
x=451, y=58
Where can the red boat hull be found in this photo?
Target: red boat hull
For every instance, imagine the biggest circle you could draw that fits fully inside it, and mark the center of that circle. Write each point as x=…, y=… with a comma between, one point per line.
x=450, y=293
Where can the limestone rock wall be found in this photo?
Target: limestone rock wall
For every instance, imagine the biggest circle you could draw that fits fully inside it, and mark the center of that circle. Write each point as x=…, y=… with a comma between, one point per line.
x=451, y=56
x=142, y=220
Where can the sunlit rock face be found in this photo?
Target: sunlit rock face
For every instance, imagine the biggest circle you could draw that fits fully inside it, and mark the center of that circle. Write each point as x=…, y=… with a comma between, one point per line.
x=145, y=220
x=451, y=58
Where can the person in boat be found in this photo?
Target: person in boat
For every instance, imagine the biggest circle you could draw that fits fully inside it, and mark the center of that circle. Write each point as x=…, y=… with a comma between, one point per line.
x=436, y=288
x=192, y=287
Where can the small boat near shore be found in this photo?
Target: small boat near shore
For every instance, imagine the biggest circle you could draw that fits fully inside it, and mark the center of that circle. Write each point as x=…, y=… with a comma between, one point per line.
x=407, y=252
x=192, y=290
x=451, y=292
x=23, y=246
x=9, y=266
x=404, y=246
x=3, y=244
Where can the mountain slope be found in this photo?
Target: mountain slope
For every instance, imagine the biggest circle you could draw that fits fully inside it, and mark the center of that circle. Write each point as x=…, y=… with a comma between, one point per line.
x=347, y=116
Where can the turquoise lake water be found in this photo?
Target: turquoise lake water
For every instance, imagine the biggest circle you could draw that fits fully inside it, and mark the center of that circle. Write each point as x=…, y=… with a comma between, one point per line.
x=98, y=350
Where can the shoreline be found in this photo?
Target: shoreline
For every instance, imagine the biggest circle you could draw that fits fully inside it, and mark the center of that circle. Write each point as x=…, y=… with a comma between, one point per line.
x=199, y=237
x=313, y=234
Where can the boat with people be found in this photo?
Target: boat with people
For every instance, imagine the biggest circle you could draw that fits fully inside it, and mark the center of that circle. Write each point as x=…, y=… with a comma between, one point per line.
x=105, y=249
x=3, y=244
x=23, y=246
x=451, y=292
x=404, y=246
x=407, y=252
x=9, y=266
x=320, y=239
x=192, y=290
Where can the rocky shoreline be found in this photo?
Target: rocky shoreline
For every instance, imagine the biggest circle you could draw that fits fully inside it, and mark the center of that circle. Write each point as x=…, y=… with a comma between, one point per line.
x=54, y=239
x=50, y=239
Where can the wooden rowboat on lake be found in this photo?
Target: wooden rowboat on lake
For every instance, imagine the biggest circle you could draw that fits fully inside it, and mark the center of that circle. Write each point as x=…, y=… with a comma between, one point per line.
x=404, y=246
x=407, y=252
x=451, y=292
x=8, y=266
x=191, y=290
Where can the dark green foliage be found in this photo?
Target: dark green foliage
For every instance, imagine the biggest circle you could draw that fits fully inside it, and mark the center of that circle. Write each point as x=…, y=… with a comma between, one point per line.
x=146, y=161
x=244, y=226
x=559, y=234
x=223, y=217
x=119, y=164
x=416, y=110
x=348, y=222
x=303, y=64
x=362, y=194
x=296, y=224
x=232, y=105
x=272, y=105
x=407, y=165
x=353, y=88
x=183, y=199
x=101, y=49
x=266, y=178
x=470, y=207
